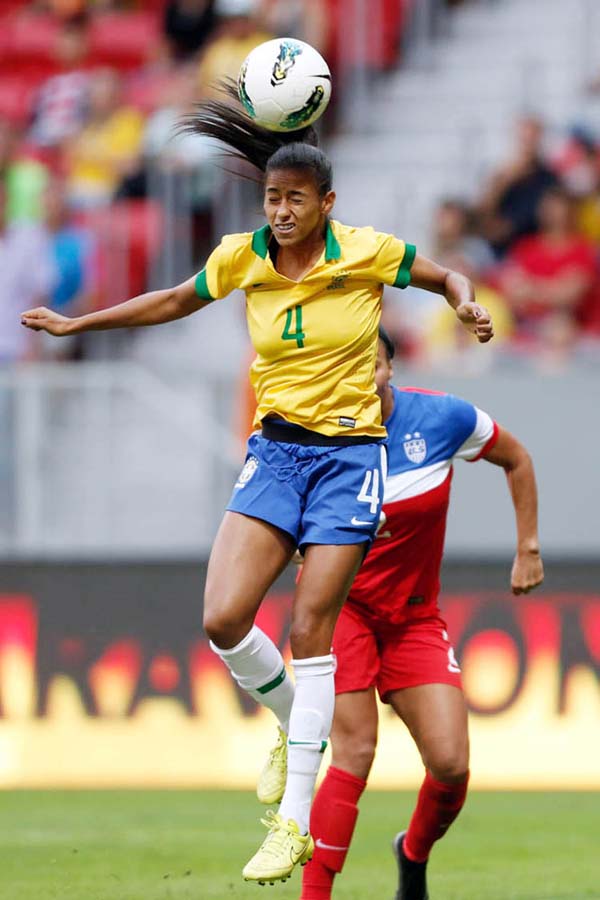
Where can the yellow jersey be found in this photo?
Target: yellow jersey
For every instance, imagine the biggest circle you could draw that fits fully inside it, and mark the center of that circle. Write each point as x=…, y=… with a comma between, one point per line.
x=315, y=339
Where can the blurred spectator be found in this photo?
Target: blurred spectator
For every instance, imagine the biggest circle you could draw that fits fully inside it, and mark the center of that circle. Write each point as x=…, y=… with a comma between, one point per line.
x=24, y=178
x=240, y=30
x=66, y=10
x=75, y=257
x=304, y=19
x=61, y=101
x=187, y=24
x=551, y=279
x=27, y=276
x=578, y=163
x=186, y=154
x=108, y=148
x=509, y=203
x=454, y=244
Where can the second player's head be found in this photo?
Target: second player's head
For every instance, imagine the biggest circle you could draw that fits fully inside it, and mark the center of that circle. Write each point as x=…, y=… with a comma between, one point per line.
x=384, y=368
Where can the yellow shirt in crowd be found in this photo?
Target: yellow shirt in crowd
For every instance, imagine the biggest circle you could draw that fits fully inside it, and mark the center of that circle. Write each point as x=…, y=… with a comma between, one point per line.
x=316, y=340
x=98, y=153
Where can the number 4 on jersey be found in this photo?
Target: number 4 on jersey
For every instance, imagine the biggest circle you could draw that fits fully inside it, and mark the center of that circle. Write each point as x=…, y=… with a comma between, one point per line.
x=297, y=335
x=371, y=479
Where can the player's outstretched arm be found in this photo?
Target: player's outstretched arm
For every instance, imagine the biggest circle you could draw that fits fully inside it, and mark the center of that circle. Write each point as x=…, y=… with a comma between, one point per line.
x=459, y=293
x=153, y=308
x=508, y=452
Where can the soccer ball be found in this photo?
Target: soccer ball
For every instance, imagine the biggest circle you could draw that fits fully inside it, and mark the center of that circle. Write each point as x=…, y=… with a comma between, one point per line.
x=284, y=84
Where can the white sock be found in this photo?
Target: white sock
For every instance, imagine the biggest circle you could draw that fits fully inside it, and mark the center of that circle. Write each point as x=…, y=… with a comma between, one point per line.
x=310, y=724
x=258, y=667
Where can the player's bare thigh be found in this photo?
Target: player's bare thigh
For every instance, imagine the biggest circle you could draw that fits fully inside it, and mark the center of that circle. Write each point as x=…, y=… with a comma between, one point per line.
x=436, y=716
x=247, y=556
x=354, y=732
x=327, y=574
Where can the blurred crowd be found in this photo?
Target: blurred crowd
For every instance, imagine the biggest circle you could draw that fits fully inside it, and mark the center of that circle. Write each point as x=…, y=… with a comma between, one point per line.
x=90, y=94
x=530, y=242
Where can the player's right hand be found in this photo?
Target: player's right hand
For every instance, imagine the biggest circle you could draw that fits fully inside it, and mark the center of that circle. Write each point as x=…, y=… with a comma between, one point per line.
x=43, y=319
x=527, y=572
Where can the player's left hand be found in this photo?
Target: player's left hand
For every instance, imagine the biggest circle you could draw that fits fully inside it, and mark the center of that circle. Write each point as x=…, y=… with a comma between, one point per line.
x=527, y=572
x=477, y=320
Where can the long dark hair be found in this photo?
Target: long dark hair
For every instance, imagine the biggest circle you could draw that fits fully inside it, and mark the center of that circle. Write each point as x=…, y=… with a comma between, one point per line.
x=265, y=150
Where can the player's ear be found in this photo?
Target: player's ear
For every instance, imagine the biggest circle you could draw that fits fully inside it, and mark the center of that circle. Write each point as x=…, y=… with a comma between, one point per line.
x=328, y=202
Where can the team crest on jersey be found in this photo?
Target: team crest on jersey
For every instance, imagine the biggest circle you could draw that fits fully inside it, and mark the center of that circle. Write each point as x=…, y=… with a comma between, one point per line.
x=415, y=447
x=338, y=281
x=250, y=467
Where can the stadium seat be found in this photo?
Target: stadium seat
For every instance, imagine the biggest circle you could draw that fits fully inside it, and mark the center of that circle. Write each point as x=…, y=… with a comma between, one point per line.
x=30, y=37
x=124, y=40
x=380, y=34
x=27, y=46
x=16, y=99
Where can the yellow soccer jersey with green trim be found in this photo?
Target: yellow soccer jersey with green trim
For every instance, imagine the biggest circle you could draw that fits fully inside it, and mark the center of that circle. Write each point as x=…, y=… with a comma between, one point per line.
x=316, y=339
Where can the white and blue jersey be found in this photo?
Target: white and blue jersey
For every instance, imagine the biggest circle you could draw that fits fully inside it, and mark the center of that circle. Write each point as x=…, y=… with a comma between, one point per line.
x=427, y=431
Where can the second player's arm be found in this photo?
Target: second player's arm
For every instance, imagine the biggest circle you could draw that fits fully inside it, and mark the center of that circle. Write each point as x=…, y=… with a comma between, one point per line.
x=459, y=293
x=153, y=308
x=508, y=452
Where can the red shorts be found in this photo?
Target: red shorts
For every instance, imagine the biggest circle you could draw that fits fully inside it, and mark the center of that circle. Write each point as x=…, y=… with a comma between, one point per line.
x=391, y=657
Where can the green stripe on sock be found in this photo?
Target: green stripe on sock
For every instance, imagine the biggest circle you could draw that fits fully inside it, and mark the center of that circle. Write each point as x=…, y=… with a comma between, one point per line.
x=272, y=684
x=322, y=748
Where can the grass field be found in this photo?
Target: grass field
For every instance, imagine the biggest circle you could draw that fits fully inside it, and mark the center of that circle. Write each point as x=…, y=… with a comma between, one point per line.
x=191, y=846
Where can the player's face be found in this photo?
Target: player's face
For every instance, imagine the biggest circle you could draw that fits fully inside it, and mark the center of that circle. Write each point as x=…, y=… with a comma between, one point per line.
x=383, y=371
x=293, y=206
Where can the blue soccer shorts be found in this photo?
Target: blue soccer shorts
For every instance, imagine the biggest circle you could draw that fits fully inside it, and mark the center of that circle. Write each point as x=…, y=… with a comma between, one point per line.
x=318, y=495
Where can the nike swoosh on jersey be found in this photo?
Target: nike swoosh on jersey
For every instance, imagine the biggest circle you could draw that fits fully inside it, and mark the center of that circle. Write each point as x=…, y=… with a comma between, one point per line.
x=323, y=846
x=355, y=521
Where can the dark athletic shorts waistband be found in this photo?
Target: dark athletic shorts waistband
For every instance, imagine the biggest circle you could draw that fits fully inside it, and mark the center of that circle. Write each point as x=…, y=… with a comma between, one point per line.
x=287, y=433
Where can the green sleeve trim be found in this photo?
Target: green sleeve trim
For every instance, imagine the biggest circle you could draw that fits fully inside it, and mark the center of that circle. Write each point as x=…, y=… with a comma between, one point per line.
x=403, y=273
x=201, y=286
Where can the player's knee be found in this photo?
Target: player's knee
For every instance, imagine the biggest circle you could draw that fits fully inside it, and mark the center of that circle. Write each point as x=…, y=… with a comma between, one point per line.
x=364, y=754
x=307, y=638
x=450, y=766
x=354, y=753
x=224, y=628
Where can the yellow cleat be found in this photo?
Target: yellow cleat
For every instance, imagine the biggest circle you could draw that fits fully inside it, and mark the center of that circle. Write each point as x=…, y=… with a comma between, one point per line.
x=271, y=783
x=282, y=849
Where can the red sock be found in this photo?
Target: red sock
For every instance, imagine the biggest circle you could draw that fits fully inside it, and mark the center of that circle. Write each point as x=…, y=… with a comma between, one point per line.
x=437, y=807
x=332, y=820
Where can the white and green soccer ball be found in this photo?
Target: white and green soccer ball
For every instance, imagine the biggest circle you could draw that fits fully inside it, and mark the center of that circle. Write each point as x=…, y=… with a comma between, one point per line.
x=284, y=84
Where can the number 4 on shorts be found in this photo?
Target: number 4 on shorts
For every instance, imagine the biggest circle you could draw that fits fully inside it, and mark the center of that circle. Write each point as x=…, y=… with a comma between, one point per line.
x=371, y=478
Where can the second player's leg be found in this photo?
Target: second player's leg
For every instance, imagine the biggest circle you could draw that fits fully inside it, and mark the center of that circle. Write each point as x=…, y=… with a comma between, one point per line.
x=436, y=716
x=335, y=807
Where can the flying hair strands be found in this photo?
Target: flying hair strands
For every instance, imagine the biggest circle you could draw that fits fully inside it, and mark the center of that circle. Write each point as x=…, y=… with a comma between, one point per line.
x=227, y=122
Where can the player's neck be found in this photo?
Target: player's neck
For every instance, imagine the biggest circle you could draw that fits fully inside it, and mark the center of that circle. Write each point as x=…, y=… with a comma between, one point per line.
x=297, y=260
